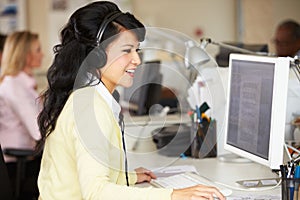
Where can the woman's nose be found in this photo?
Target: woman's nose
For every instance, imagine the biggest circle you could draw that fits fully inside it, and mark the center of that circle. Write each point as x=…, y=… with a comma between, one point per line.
x=136, y=59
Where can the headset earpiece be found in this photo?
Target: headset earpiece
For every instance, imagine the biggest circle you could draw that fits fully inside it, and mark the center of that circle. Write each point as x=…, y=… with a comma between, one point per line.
x=97, y=57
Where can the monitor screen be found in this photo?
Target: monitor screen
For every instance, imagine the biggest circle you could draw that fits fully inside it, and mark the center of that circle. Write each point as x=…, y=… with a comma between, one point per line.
x=256, y=108
x=146, y=88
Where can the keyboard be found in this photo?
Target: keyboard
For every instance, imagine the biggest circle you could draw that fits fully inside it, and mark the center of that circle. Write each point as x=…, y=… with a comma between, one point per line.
x=184, y=180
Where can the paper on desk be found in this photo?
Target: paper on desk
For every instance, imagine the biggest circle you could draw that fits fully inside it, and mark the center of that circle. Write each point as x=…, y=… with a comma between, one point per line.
x=172, y=170
x=199, y=92
x=254, y=197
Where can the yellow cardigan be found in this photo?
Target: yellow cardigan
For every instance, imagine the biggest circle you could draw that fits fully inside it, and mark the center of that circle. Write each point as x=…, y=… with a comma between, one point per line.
x=83, y=157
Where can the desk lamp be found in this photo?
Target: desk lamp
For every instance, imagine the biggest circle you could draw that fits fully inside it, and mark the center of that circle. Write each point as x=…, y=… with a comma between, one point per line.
x=206, y=41
x=196, y=55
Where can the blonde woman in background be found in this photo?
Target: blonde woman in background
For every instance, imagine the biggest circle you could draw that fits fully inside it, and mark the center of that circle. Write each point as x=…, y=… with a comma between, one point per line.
x=18, y=97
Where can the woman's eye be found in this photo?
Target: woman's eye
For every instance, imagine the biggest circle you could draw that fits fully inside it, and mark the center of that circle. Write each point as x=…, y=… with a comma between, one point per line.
x=127, y=50
x=130, y=50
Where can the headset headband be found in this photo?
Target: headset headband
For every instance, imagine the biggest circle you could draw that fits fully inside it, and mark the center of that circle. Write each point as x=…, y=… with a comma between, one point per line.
x=109, y=18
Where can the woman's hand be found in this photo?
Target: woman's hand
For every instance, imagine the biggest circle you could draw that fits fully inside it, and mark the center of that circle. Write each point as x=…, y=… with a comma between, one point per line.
x=144, y=175
x=197, y=192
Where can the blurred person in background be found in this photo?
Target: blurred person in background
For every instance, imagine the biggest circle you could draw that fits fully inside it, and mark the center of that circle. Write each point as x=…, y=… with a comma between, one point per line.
x=287, y=39
x=19, y=105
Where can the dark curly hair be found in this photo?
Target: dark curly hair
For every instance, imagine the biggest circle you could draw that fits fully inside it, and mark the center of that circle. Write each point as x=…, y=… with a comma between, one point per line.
x=78, y=39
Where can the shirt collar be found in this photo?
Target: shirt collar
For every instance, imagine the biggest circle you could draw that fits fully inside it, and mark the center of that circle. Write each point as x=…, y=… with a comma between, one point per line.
x=109, y=99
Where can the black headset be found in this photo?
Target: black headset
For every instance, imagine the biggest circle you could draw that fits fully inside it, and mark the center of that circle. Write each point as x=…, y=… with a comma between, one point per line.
x=98, y=56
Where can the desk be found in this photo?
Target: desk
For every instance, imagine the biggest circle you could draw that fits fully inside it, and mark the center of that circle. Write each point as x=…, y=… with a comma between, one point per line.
x=145, y=155
x=214, y=170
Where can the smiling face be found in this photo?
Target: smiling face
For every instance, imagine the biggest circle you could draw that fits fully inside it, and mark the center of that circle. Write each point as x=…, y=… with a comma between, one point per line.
x=122, y=60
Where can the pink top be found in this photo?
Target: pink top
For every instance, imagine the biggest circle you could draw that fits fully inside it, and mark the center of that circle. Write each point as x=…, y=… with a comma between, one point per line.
x=18, y=113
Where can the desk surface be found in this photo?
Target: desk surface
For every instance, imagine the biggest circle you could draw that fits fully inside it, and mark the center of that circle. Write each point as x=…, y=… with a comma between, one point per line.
x=155, y=120
x=226, y=173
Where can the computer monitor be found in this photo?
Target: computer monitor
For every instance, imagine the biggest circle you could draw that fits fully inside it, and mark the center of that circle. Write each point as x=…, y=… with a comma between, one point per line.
x=146, y=88
x=222, y=58
x=256, y=108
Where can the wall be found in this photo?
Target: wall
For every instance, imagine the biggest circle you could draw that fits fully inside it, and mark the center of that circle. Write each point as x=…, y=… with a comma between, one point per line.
x=253, y=22
x=215, y=19
x=37, y=22
x=219, y=20
x=48, y=23
x=262, y=17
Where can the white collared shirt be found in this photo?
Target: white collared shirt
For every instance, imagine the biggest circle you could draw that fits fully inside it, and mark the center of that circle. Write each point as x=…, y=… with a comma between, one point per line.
x=109, y=99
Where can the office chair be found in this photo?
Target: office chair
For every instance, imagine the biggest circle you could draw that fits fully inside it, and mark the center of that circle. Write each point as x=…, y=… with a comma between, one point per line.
x=5, y=184
x=22, y=156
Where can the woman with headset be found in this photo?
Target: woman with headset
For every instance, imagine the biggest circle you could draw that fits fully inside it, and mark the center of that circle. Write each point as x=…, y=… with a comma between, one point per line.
x=84, y=155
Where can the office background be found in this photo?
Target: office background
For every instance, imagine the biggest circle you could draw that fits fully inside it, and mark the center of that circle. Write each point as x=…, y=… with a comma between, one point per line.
x=248, y=21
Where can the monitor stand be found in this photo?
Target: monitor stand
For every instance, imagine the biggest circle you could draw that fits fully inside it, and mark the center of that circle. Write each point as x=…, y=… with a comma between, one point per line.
x=256, y=183
x=233, y=158
x=253, y=183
